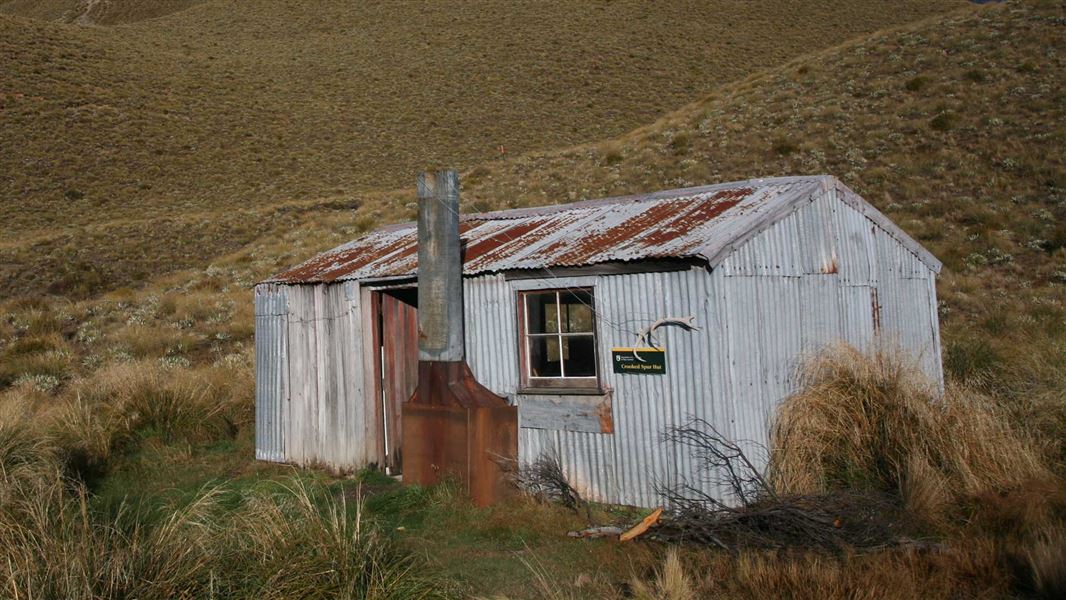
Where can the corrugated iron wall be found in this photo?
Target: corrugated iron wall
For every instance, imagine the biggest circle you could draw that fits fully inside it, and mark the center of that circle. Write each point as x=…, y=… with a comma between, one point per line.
x=823, y=273
x=803, y=283
x=313, y=405
x=271, y=374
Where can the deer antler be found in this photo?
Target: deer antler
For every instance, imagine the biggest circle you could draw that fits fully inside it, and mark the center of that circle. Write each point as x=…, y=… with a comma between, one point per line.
x=643, y=339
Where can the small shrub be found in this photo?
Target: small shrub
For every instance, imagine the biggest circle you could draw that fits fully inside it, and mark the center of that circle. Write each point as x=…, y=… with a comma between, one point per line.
x=79, y=279
x=476, y=175
x=784, y=146
x=612, y=157
x=168, y=304
x=916, y=84
x=996, y=323
x=944, y=121
x=481, y=205
x=43, y=383
x=680, y=143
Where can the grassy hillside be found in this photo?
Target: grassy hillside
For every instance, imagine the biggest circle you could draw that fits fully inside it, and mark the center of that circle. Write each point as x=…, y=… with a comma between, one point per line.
x=126, y=150
x=95, y=12
x=953, y=127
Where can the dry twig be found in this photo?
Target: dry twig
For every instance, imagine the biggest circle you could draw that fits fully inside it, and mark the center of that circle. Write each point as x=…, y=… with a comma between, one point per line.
x=760, y=517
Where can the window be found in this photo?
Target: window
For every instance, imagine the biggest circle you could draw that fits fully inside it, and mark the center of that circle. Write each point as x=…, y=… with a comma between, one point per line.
x=558, y=339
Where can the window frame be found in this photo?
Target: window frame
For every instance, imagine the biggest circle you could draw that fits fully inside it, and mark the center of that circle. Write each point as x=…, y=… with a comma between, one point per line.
x=528, y=383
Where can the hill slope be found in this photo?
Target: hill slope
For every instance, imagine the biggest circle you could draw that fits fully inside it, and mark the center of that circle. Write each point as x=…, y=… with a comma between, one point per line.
x=98, y=12
x=135, y=144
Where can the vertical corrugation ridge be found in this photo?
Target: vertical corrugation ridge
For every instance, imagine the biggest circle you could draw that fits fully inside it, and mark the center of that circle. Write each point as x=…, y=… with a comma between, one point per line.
x=270, y=323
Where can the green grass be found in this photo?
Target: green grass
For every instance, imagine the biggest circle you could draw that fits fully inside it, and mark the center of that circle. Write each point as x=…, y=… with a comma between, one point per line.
x=483, y=551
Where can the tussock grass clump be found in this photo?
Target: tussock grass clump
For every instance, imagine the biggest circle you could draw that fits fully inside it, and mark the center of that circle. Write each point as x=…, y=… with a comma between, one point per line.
x=55, y=548
x=875, y=422
x=289, y=541
x=44, y=355
x=1047, y=563
x=963, y=573
x=307, y=545
x=119, y=405
x=27, y=461
x=671, y=582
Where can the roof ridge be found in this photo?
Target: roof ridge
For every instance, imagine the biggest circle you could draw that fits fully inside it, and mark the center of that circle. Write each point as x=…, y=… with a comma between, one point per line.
x=719, y=219
x=672, y=194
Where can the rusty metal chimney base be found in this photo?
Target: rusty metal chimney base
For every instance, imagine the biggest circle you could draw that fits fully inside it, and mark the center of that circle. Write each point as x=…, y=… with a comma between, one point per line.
x=455, y=427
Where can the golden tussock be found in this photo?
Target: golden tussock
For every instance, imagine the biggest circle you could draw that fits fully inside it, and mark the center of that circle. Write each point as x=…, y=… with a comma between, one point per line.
x=876, y=422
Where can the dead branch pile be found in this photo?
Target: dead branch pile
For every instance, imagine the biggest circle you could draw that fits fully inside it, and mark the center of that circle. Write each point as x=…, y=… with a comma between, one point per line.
x=545, y=480
x=746, y=512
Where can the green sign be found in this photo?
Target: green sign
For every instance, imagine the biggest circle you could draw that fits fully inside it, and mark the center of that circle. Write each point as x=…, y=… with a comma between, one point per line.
x=652, y=361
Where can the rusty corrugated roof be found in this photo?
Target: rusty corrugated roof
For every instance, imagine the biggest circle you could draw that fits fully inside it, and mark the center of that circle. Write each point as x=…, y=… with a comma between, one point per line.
x=705, y=223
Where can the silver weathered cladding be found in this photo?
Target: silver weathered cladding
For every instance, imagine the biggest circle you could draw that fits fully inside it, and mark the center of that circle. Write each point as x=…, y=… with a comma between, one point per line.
x=313, y=403
x=825, y=268
x=271, y=379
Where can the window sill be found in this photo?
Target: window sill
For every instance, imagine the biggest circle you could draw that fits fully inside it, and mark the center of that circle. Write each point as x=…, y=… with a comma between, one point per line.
x=554, y=391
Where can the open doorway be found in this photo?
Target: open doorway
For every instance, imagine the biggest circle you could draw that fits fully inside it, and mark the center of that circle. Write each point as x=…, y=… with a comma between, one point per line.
x=396, y=320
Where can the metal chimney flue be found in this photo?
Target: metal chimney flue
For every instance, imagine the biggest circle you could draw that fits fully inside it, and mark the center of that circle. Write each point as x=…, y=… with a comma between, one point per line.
x=440, y=268
x=453, y=426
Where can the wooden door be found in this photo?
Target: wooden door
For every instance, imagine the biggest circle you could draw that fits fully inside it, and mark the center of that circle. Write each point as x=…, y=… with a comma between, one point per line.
x=399, y=364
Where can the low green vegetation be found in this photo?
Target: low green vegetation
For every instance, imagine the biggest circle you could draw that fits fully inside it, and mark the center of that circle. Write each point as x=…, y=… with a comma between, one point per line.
x=281, y=538
x=174, y=507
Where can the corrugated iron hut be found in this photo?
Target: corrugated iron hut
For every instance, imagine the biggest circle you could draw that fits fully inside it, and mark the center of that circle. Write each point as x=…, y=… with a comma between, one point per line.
x=555, y=298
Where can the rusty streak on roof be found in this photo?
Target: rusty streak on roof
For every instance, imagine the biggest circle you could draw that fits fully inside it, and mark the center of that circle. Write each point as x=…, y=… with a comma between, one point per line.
x=704, y=223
